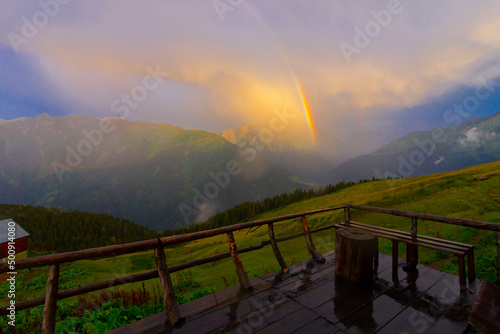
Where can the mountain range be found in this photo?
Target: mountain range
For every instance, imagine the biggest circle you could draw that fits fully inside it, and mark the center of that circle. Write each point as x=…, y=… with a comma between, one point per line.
x=475, y=141
x=164, y=177
x=158, y=175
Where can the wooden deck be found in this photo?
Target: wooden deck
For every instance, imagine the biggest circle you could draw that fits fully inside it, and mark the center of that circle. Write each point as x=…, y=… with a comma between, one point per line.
x=308, y=299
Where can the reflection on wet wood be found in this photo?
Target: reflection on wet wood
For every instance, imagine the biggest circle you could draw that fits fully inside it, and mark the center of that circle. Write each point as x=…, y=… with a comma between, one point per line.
x=310, y=299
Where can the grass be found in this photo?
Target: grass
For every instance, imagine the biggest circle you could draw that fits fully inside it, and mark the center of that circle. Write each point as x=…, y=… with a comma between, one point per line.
x=448, y=194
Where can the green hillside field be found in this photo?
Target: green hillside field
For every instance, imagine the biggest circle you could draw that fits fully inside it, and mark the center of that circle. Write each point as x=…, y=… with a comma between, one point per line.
x=455, y=194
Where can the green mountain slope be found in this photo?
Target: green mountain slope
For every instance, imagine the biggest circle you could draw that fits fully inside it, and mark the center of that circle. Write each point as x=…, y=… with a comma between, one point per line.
x=140, y=171
x=473, y=193
x=473, y=142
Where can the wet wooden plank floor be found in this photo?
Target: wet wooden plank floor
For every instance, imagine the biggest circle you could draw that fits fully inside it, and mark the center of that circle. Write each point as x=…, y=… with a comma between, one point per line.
x=308, y=299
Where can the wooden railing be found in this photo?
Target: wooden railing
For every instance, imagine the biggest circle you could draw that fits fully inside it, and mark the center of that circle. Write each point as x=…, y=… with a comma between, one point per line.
x=163, y=271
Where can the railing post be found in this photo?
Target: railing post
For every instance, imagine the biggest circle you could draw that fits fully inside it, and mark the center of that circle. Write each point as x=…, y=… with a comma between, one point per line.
x=171, y=307
x=276, y=250
x=414, y=228
x=347, y=212
x=498, y=257
x=412, y=250
x=240, y=269
x=49, y=311
x=314, y=252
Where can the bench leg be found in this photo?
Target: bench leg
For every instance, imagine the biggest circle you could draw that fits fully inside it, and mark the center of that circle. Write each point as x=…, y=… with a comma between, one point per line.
x=411, y=257
x=395, y=254
x=461, y=272
x=470, y=266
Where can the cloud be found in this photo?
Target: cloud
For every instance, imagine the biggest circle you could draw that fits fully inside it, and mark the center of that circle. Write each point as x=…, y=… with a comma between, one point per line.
x=437, y=162
x=474, y=137
x=227, y=73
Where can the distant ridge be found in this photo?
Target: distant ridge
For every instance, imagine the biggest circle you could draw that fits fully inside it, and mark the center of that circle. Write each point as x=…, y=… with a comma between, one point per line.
x=4, y=121
x=473, y=142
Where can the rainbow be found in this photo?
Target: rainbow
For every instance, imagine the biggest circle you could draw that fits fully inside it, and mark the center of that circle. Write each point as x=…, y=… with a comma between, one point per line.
x=300, y=90
x=306, y=107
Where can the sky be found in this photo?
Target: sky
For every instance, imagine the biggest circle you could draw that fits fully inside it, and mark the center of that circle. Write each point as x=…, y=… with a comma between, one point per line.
x=220, y=64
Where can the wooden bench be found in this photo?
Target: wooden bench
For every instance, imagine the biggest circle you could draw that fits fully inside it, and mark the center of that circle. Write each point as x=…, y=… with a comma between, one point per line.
x=414, y=241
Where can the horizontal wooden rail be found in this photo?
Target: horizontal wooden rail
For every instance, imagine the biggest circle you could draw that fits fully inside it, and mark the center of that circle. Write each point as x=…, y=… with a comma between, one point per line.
x=424, y=216
x=150, y=274
x=114, y=250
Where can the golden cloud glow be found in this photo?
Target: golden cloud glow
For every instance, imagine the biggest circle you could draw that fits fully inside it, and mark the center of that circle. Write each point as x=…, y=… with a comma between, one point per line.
x=487, y=33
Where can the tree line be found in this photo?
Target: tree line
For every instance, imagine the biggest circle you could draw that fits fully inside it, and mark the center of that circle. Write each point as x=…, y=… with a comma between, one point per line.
x=248, y=210
x=61, y=230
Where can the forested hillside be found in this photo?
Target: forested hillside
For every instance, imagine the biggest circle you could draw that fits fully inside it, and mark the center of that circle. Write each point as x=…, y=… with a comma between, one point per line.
x=68, y=230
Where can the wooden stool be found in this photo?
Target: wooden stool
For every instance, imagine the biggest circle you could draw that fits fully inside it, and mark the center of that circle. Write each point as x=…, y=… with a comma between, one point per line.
x=356, y=254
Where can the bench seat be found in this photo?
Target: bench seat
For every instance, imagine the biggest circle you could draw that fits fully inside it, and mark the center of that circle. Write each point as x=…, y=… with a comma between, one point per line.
x=460, y=250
